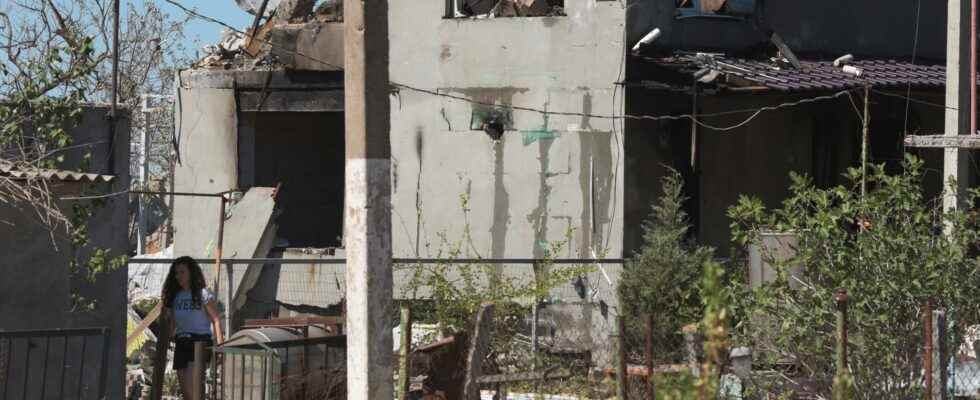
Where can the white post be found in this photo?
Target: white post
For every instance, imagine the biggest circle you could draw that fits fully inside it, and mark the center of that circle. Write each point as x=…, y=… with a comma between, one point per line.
x=367, y=212
x=955, y=164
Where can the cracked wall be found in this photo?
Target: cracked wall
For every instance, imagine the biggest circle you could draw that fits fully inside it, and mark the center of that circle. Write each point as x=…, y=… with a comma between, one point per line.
x=547, y=175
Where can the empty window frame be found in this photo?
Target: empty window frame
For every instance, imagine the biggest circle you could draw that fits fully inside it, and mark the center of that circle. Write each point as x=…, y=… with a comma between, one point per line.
x=504, y=8
x=715, y=8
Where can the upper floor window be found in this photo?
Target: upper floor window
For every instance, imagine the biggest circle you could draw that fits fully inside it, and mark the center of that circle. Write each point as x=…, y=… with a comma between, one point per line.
x=504, y=8
x=715, y=8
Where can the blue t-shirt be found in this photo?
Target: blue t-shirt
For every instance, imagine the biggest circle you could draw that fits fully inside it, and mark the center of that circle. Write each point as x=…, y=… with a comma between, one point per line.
x=190, y=317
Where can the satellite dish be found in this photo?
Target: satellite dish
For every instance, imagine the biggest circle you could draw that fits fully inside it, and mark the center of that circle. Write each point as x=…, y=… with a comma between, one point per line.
x=252, y=6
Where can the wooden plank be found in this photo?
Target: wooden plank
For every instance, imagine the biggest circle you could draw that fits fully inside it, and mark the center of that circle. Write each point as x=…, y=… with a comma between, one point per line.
x=152, y=316
x=292, y=101
x=943, y=141
x=478, y=350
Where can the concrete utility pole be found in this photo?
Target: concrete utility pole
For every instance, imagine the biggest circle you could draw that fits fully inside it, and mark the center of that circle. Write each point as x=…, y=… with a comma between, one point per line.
x=368, y=200
x=958, y=93
x=957, y=137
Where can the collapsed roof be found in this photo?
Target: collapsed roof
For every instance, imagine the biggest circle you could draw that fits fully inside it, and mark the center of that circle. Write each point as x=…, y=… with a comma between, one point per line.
x=289, y=34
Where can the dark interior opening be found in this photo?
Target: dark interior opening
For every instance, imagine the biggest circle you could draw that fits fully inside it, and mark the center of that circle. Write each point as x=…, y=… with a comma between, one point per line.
x=505, y=8
x=304, y=152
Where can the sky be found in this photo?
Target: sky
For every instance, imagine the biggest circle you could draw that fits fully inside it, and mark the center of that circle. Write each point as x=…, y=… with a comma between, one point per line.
x=200, y=32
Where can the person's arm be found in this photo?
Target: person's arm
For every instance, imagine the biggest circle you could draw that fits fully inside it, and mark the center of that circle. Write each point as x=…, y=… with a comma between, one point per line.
x=212, y=308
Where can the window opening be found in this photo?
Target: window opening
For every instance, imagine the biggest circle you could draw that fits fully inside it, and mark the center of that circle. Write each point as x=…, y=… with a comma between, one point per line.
x=504, y=8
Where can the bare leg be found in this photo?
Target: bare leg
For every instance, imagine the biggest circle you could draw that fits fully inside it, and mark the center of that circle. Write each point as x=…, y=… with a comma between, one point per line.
x=185, y=383
x=184, y=377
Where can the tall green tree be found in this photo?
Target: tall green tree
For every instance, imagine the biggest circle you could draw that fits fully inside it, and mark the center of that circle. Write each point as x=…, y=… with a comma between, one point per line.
x=662, y=278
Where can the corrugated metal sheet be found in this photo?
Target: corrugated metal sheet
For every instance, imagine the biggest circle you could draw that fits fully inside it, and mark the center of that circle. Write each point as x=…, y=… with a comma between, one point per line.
x=814, y=75
x=9, y=171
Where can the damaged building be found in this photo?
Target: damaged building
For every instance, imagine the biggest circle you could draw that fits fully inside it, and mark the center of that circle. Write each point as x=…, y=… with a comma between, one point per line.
x=517, y=124
x=273, y=119
x=761, y=78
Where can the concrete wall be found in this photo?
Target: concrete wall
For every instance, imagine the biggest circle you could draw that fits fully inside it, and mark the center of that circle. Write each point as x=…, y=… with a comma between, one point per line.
x=36, y=290
x=207, y=137
x=883, y=28
x=535, y=184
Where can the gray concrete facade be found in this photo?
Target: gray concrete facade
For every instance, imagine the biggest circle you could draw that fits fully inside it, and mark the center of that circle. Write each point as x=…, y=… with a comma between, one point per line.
x=547, y=176
x=37, y=288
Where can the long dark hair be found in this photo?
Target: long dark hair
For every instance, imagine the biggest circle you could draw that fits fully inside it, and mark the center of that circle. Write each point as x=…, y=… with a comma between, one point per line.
x=171, y=286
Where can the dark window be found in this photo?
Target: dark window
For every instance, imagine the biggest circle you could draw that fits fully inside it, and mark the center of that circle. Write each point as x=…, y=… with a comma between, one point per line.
x=304, y=153
x=504, y=8
x=729, y=8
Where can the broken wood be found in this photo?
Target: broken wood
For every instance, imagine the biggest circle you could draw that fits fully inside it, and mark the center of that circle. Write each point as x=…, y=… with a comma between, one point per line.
x=257, y=37
x=483, y=328
x=252, y=33
x=152, y=316
x=943, y=141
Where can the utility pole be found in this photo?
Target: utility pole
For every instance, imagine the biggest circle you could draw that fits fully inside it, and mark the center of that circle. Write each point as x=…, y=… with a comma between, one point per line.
x=367, y=211
x=957, y=137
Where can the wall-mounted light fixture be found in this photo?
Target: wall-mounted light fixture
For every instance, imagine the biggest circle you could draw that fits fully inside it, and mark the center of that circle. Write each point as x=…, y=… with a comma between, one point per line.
x=646, y=40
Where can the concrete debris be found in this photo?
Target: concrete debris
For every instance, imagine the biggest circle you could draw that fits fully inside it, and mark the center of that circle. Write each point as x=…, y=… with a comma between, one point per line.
x=294, y=36
x=146, y=280
x=294, y=10
x=252, y=6
x=330, y=11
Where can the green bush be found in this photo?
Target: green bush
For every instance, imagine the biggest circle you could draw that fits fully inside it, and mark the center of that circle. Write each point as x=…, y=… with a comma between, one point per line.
x=888, y=250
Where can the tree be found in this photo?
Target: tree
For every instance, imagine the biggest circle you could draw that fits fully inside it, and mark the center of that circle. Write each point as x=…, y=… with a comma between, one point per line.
x=56, y=58
x=662, y=278
x=887, y=249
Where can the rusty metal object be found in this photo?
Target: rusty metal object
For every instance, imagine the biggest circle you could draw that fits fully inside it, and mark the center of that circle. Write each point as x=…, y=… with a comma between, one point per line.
x=621, y=370
x=648, y=352
x=927, y=357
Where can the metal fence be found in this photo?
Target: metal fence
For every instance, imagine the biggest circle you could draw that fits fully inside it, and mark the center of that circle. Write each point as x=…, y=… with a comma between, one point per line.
x=55, y=363
x=287, y=369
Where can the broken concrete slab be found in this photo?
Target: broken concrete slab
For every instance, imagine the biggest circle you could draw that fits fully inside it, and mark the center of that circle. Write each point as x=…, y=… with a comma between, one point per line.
x=249, y=233
x=206, y=132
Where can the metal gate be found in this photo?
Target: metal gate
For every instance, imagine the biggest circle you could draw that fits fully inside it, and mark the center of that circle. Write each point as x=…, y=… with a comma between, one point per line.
x=54, y=363
x=246, y=374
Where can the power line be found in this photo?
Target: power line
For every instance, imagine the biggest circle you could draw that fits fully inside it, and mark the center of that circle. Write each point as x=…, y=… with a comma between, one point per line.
x=694, y=118
x=912, y=99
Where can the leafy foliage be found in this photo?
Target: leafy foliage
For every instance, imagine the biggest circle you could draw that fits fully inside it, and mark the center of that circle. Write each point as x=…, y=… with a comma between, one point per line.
x=663, y=277
x=887, y=249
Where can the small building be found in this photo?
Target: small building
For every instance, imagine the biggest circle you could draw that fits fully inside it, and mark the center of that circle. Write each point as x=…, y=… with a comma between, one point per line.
x=39, y=288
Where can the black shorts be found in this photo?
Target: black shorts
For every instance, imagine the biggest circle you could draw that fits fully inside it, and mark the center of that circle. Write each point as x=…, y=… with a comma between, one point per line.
x=184, y=349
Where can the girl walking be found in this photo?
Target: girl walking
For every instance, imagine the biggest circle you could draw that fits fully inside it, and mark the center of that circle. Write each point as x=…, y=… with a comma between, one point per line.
x=193, y=316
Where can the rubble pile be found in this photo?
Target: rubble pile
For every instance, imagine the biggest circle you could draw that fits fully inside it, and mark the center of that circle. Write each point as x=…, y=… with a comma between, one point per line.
x=271, y=42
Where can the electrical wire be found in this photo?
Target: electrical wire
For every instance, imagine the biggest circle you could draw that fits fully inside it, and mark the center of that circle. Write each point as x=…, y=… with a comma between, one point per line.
x=915, y=48
x=912, y=99
x=695, y=119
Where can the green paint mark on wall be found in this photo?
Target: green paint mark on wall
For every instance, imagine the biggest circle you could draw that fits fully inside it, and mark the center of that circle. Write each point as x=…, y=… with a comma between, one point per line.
x=538, y=134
